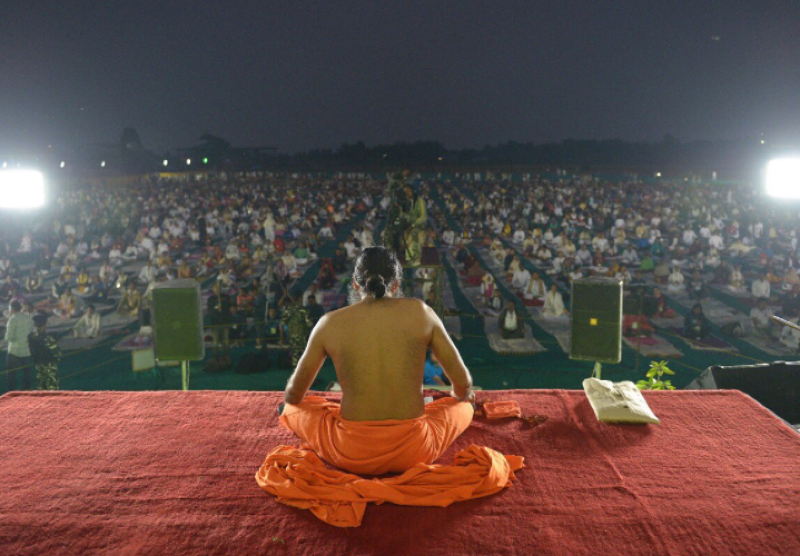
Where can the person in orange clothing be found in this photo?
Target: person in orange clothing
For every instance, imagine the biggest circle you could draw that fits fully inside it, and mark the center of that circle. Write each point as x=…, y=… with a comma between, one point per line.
x=378, y=346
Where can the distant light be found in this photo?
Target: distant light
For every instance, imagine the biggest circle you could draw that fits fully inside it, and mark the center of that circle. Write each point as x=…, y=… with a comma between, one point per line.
x=103, y=164
x=63, y=163
x=188, y=161
x=440, y=159
x=166, y=162
x=762, y=141
x=21, y=189
x=658, y=174
x=783, y=178
x=205, y=161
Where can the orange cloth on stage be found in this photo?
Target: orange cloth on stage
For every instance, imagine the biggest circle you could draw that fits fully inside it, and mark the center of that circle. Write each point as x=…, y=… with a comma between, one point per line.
x=499, y=410
x=299, y=478
x=377, y=447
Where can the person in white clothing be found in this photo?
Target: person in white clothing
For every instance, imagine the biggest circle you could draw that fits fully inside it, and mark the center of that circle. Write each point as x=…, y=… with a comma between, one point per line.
x=148, y=273
x=449, y=237
x=18, y=328
x=716, y=242
x=367, y=239
x=553, y=303
x=520, y=279
x=676, y=281
x=790, y=337
x=88, y=326
x=760, y=287
x=509, y=323
x=312, y=291
x=535, y=289
x=761, y=317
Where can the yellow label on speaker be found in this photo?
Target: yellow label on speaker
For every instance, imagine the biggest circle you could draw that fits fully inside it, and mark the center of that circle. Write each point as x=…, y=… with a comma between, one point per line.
x=592, y=322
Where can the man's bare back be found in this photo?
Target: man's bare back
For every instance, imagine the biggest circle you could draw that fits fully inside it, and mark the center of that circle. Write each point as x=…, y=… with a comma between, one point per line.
x=378, y=348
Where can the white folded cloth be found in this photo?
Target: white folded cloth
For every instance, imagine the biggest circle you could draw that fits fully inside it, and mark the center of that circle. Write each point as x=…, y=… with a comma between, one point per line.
x=618, y=402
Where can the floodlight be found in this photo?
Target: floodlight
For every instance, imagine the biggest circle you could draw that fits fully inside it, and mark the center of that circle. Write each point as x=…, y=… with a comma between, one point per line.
x=188, y=161
x=166, y=162
x=21, y=189
x=63, y=163
x=103, y=164
x=783, y=178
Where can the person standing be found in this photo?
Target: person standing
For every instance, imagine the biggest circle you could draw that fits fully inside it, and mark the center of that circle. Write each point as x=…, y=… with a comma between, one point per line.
x=18, y=328
x=218, y=308
x=298, y=324
x=45, y=354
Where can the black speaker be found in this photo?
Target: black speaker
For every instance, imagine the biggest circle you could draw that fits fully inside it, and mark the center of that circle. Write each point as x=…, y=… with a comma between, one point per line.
x=596, y=320
x=178, y=321
x=775, y=385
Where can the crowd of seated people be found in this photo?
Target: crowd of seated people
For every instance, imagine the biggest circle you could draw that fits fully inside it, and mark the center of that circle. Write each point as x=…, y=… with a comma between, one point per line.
x=250, y=236
x=687, y=240
x=101, y=249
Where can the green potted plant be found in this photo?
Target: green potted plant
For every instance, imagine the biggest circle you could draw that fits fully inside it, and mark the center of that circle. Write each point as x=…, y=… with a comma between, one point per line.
x=654, y=379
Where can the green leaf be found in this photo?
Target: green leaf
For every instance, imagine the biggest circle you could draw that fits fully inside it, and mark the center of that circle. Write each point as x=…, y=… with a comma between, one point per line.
x=651, y=373
x=667, y=371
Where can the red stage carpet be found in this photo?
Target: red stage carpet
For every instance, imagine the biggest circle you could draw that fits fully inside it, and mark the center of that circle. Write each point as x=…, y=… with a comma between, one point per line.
x=172, y=473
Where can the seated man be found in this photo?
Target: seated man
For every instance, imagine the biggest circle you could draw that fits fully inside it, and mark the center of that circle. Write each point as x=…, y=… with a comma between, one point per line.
x=695, y=325
x=88, y=326
x=553, y=303
x=509, y=323
x=790, y=337
x=378, y=348
x=520, y=279
x=763, y=325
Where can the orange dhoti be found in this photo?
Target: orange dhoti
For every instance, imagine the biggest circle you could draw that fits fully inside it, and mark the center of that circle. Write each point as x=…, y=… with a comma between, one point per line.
x=299, y=478
x=377, y=447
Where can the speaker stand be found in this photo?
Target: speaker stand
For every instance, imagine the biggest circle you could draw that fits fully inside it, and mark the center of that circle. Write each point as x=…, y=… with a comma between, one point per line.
x=598, y=368
x=185, y=374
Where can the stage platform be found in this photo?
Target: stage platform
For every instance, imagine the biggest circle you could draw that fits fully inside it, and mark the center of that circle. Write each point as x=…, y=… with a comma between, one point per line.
x=173, y=473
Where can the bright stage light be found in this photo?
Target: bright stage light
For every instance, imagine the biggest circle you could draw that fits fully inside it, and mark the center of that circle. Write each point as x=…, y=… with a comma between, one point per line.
x=166, y=162
x=21, y=189
x=188, y=161
x=783, y=178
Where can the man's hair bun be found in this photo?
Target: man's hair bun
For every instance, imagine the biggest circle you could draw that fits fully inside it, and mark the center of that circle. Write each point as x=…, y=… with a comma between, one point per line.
x=377, y=269
x=376, y=286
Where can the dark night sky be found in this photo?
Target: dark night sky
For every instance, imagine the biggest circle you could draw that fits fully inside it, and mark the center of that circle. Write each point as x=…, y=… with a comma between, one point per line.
x=299, y=74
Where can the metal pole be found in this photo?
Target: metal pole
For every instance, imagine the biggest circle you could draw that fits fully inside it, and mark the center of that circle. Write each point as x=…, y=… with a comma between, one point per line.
x=185, y=374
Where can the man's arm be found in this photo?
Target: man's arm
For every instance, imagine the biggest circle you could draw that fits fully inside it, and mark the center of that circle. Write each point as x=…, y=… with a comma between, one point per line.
x=449, y=358
x=308, y=366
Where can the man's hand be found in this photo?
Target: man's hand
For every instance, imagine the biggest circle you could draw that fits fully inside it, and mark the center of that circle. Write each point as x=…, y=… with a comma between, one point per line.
x=469, y=396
